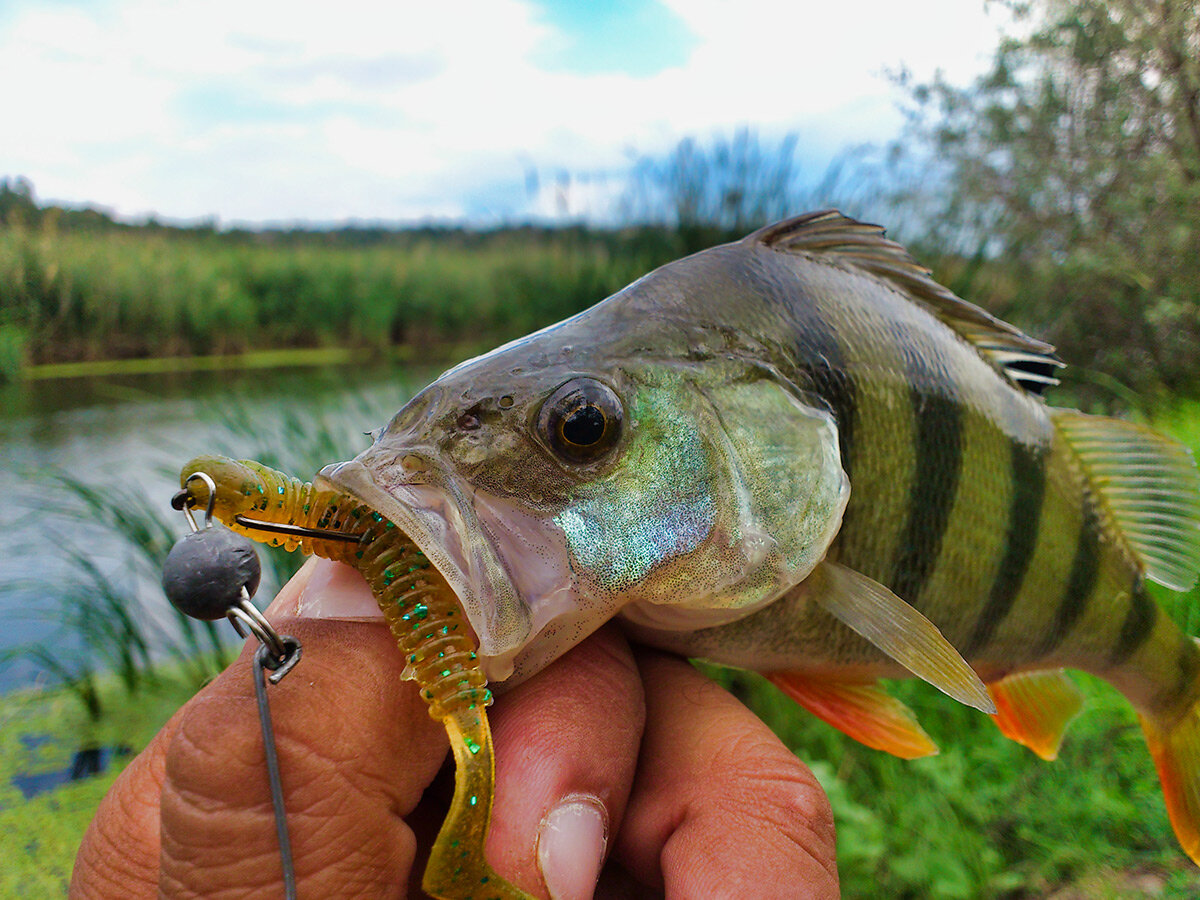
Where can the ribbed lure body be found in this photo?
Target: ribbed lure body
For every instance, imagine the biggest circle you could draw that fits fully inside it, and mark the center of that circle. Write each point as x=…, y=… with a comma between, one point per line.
x=422, y=613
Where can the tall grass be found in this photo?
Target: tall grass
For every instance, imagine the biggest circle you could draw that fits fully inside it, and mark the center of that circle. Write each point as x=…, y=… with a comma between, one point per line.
x=79, y=295
x=109, y=614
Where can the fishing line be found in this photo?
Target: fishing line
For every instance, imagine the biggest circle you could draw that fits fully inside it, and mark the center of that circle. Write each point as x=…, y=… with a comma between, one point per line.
x=212, y=573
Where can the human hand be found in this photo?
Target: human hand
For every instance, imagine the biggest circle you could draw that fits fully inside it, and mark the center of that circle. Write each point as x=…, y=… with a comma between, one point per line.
x=618, y=762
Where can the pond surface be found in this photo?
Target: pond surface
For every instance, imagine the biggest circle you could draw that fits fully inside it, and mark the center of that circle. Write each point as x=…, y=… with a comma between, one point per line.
x=85, y=763
x=128, y=437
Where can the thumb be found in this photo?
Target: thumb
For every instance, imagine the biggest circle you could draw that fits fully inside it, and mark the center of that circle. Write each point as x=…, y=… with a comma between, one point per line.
x=356, y=750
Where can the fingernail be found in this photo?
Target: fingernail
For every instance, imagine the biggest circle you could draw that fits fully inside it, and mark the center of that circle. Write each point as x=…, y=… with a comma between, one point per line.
x=336, y=591
x=284, y=603
x=571, y=844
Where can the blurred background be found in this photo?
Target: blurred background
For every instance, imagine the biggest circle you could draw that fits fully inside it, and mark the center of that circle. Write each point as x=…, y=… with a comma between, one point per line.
x=256, y=229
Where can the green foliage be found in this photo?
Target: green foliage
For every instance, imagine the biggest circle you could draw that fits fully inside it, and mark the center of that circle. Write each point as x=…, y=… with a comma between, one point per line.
x=1070, y=174
x=13, y=351
x=74, y=294
x=986, y=818
x=39, y=732
x=101, y=627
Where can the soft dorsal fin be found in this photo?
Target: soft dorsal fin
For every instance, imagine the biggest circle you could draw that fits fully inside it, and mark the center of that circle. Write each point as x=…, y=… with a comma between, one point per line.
x=1026, y=361
x=1147, y=489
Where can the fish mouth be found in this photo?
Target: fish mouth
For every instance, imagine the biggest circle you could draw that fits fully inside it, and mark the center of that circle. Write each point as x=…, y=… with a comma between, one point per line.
x=489, y=558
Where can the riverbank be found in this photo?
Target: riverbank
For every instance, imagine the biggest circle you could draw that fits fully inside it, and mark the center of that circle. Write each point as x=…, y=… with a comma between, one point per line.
x=42, y=734
x=300, y=357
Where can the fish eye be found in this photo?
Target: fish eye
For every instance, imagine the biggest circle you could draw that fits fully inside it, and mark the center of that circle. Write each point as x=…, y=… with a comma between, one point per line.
x=581, y=420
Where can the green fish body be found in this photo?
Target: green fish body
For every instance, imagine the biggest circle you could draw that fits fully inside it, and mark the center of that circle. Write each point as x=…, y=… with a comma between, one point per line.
x=799, y=454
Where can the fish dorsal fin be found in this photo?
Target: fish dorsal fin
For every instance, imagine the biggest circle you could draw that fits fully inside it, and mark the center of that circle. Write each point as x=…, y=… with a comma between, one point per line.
x=895, y=627
x=828, y=234
x=864, y=711
x=1147, y=489
x=1035, y=708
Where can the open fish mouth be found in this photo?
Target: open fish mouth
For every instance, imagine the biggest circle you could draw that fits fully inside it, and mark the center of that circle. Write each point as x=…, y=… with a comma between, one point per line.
x=485, y=555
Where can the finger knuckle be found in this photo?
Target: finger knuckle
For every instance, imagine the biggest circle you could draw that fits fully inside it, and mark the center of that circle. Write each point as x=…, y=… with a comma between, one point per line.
x=777, y=791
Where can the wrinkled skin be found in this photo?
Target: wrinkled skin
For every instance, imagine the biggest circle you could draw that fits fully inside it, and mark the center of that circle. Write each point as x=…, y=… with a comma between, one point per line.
x=701, y=800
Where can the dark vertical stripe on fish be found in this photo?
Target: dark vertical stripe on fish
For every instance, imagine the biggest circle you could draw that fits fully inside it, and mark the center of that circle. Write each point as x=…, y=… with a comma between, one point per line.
x=1024, y=521
x=1085, y=568
x=1138, y=624
x=836, y=388
x=1184, y=687
x=939, y=449
x=820, y=368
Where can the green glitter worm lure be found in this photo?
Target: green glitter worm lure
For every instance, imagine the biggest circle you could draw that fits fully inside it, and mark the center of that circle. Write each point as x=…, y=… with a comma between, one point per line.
x=424, y=615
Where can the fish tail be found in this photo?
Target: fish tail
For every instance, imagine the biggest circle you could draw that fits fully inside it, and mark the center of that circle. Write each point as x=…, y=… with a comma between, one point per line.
x=1174, y=742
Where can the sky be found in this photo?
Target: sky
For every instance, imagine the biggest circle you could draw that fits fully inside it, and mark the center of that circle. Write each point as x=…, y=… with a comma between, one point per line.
x=274, y=111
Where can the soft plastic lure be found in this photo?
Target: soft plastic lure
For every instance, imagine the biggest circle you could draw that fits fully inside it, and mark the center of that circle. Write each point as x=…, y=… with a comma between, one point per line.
x=423, y=614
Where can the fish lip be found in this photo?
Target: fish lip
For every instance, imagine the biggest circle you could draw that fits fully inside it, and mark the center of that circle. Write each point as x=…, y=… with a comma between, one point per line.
x=433, y=513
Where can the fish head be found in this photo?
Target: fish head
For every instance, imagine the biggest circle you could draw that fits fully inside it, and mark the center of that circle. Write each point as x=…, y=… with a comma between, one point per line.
x=555, y=490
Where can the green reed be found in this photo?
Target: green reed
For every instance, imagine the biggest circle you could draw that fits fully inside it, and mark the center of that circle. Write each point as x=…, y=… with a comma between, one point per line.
x=116, y=293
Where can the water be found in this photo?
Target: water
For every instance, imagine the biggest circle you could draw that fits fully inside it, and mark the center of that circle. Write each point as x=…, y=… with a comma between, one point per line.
x=85, y=763
x=129, y=436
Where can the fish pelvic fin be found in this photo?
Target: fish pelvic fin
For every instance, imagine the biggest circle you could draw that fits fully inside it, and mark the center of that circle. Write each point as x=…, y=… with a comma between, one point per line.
x=827, y=234
x=1035, y=708
x=895, y=627
x=1175, y=749
x=1147, y=491
x=864, y=711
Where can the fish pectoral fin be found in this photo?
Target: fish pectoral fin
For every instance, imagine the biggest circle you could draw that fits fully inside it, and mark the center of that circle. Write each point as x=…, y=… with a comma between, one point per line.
x=1035, y=708
x=864, y=711
x=875, y=613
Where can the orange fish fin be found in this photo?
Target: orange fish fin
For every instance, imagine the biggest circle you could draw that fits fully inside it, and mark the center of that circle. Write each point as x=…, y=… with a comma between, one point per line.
x=1034, y=708
x=1175, y=748
x=863, y=711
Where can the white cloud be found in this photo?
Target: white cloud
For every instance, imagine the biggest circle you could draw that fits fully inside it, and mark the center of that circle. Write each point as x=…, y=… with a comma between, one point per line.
x=279, y=110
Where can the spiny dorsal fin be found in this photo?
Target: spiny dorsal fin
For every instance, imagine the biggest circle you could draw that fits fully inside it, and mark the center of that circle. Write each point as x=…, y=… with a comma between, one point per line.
x=1027, y=361
x=1147, y=488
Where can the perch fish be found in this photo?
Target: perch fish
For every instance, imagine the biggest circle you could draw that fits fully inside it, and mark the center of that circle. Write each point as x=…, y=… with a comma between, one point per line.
x=799, y=454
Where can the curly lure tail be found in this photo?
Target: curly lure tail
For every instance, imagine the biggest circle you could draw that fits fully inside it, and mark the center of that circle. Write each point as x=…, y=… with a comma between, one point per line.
x=423, y=614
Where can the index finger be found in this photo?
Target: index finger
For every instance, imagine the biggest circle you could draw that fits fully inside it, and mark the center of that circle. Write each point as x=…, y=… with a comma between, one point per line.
x=720, y=807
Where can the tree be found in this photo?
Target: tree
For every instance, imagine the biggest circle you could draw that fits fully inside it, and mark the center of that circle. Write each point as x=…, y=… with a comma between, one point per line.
x=1074, y=165
x=718, y=190
x=17, y=202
